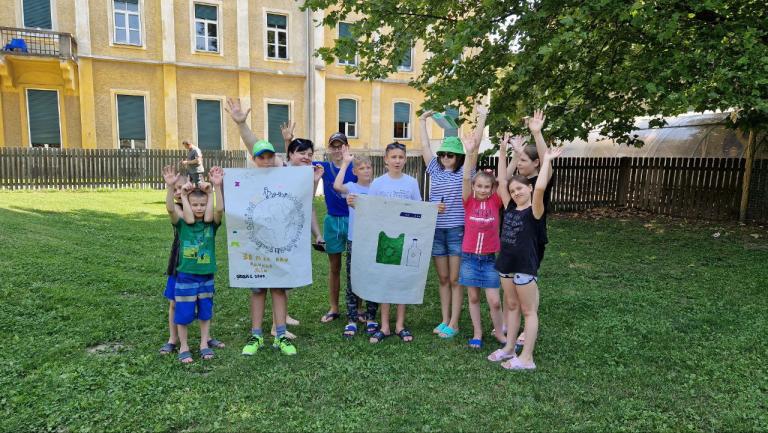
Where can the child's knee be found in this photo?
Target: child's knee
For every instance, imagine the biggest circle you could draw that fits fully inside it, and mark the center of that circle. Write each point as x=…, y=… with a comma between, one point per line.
x=511, y=304
x=474, y=296
x=494, y=304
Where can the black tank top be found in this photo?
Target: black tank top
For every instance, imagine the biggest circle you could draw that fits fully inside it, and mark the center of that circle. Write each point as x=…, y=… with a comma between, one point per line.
x=520, y=241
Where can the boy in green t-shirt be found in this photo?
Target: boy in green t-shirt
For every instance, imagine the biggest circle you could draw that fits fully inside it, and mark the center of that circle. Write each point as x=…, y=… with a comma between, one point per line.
x=197, y=222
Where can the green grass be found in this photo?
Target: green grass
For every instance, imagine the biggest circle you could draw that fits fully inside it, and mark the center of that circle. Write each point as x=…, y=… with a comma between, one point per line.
x=645, y=325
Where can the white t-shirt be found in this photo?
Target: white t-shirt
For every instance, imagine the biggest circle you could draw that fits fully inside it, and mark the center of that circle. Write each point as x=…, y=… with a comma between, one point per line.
x=354, y=188
x=405, y=187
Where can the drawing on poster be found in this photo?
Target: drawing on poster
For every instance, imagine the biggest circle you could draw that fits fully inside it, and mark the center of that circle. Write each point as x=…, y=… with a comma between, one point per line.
x=389, y=251
x=280, y=222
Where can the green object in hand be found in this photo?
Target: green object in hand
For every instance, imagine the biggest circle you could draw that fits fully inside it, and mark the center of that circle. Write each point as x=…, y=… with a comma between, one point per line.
x=389, y=251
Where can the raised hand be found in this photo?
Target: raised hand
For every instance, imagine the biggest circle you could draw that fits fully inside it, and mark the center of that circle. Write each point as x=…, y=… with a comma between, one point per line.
x=518, y=144
x=318, y=173
x=170, y=176
x=536, y=123
x=236, y=111
x=481, y=109
x=426, y=115
x=345, y=155
x=552, y=153
x=470, y=142
x=187, y=188
x=216, y=176
x=287, y=129
x=205, y=187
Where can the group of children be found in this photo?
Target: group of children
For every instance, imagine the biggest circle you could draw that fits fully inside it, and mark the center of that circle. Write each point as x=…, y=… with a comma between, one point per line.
x=490, y=234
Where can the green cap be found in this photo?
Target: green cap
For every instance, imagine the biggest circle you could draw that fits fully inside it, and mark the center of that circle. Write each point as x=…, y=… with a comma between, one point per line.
x=262, y=146
x=452, y=145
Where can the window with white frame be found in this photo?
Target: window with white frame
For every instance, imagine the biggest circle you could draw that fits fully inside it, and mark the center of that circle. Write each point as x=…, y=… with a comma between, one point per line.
x=127, y=22
x=43, y=118
x=402, y=119
x=131, y=122
x=37, y=13
x=206, y=28
x=345, y=32
x=277, y=36
x=348, y=117
x=407, y=63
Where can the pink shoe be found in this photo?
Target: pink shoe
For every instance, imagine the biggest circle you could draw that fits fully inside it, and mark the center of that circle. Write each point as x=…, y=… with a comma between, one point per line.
x=500, y=355
x=516, y=364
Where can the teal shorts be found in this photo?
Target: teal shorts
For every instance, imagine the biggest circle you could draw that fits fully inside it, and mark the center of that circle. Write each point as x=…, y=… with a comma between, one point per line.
x=335, y=229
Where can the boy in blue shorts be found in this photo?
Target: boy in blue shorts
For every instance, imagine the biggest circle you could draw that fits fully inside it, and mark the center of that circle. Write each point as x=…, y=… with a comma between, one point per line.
x=197, y=222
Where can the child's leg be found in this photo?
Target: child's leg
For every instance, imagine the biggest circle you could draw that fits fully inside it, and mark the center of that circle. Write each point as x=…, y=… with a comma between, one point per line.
x=528, y=294
x=457, y=293
x=370, y=311
x=494, y=306
x=279, y=309
x=173, y=335
x=205, y=335
x=474, y=312
x=444, y=286
x=334, y=284
x=183, y=345
x=351, y=298
x=257, y=309
x=384, y=325
x=512, y=310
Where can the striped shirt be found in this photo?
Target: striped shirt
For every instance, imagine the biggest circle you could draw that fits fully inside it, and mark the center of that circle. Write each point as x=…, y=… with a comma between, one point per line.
x=445, y=185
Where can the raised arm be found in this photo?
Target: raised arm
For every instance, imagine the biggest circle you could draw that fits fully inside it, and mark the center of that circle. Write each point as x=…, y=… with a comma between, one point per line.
x=216, y=175
x=239, y=117
x=171, y=177
x=518, y=147
x=186, y=210
x=286, y=129
x=535, y=125
x=338, y=183
x=426, y=149
x=470, y=145
x=207, y=188
x=502, y=177
x=541, y=182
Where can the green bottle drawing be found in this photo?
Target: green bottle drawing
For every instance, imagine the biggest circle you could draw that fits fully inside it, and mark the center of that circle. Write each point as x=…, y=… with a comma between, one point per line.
x=389, y=251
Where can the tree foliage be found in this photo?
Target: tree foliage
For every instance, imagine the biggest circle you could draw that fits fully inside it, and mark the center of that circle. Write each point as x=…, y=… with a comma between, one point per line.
x=593, y=64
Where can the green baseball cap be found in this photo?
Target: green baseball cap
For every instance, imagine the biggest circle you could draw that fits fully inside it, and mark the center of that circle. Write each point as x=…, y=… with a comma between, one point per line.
x=262, y=146
x=452, y=145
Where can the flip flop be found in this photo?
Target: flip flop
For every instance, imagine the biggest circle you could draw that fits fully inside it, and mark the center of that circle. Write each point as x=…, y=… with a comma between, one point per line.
x=475, y=343
x=329, y=317
x=448, y=332
x=184, y=356
x=207, y=353
x=405, y=333
x=379, y=337
x=439, y=328
x=371, y=328
x=349, y=331
x=500, y=355
x=216, y=344
x=167, y=348
x=516, y=364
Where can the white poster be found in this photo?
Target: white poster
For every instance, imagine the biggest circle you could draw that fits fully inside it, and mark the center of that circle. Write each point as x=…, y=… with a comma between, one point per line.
x=268, y=226
x=392, y=248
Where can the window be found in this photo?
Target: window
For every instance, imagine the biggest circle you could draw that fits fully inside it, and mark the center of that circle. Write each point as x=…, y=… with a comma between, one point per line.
x=277, y=114
x=37, y=14
x=206, y=28
x=127, y=22
x=131, y=126
x=348, y=117
x=209, y=124
x=407, y=63
x=454, y=113
x=402, y=120
x=43, y=118
x=345, y=32
x=277, y=36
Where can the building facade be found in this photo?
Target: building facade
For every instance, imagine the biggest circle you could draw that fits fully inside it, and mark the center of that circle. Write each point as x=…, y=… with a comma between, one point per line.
x=147, y=74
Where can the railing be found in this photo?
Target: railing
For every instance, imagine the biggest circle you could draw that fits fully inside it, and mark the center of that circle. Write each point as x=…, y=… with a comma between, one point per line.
x=36, y=42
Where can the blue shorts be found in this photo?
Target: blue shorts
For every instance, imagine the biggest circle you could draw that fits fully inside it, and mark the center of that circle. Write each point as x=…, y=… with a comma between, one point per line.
x=520, y=279
x=194, y=298
x=448, y=241
x=335, y=230
x=478, y=270
x=170, y=284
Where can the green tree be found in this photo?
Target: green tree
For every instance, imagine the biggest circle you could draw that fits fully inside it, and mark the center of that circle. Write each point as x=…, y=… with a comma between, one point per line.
x=593, y=64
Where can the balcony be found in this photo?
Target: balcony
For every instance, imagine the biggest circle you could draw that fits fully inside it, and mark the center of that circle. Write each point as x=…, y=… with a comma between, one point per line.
x=33, y=42
x=35, y=57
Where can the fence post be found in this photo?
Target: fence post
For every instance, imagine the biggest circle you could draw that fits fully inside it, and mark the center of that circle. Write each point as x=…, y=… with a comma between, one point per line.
x=623, y=184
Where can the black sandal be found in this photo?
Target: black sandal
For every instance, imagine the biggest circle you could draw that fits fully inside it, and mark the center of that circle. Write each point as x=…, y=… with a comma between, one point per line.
x=405, y=333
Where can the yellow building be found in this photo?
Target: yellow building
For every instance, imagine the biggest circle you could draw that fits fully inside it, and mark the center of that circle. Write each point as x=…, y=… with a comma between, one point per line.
x=151, y=73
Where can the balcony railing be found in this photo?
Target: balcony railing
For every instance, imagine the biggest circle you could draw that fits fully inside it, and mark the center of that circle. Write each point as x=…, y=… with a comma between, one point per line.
x=36, y=42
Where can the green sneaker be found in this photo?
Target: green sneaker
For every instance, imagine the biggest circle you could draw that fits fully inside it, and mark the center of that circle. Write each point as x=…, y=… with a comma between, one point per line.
x=254, y=343
x=284, y=345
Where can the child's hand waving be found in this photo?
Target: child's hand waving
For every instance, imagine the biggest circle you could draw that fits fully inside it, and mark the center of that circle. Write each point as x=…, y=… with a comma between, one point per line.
x=216, y=176
x=470, y=142
x=552, y=153
x=187, y=188
x=236, y=111
x=170, y=176
x=287, y=130
x=518, y=144
x=536, y=123
x=205, y=187
x=346, y=155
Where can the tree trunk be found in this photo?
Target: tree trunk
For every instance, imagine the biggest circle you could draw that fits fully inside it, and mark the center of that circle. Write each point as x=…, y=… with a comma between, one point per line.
x=749, y=156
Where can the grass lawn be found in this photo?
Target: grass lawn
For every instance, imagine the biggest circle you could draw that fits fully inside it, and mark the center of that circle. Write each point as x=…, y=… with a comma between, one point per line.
x=645, y=325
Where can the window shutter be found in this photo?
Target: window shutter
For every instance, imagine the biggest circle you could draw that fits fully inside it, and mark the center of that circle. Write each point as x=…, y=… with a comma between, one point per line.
x=43, y=113
x=208, y=124
x=347, y=110
x=402, y=112
x=206, y=12
x=278, y=21
x=130, y=114
x=454, y=113
x=37, y=14
x=277, y=114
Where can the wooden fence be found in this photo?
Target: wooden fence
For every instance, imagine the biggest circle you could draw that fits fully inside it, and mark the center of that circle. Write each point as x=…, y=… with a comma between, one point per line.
x=708, y=188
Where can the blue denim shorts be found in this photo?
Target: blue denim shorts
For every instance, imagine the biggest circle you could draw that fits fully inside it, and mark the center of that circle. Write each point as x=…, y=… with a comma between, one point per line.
x=478, y=270
x=448, y=241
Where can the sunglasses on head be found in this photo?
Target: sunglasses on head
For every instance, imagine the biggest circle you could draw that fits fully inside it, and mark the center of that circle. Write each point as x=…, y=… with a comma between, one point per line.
x=448, y=155
x=395, y=145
